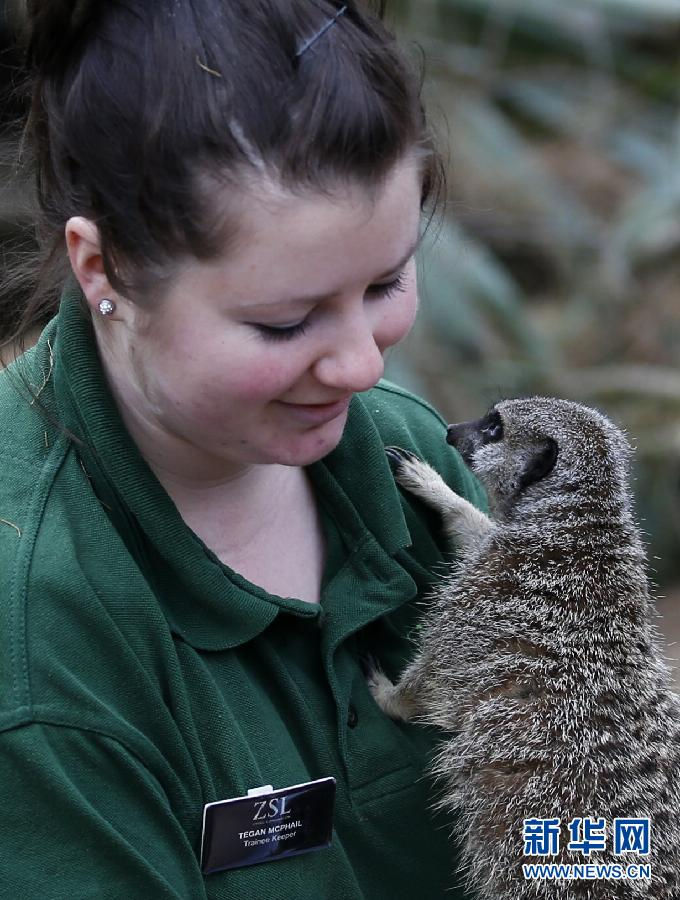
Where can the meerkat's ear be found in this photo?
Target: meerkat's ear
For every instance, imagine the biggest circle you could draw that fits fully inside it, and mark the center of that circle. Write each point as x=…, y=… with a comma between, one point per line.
x=541, y=463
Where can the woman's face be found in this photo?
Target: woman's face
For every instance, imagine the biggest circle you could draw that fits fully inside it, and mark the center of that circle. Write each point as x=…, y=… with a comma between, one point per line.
x=254, y=358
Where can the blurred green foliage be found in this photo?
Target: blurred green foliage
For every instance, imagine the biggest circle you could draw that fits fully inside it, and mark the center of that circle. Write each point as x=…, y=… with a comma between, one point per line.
x=555, y=268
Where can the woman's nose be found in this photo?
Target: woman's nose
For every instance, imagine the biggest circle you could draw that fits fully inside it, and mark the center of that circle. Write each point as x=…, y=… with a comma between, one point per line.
x=355, y=361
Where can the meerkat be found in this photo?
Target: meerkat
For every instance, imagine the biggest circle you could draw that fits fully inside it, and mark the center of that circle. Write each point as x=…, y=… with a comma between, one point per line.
x=539, y=657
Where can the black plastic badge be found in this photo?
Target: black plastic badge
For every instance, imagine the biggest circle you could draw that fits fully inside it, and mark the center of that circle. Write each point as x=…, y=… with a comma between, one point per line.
x=267, y=825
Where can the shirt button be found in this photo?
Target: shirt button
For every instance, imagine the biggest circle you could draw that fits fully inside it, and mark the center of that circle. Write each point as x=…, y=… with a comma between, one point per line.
x=352, y=717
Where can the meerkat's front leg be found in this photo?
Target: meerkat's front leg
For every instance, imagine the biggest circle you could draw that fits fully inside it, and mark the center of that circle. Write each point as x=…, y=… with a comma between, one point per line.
x=464, y=524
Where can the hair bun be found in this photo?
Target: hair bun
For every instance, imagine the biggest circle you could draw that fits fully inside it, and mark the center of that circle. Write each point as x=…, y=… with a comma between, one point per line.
x=52, y=27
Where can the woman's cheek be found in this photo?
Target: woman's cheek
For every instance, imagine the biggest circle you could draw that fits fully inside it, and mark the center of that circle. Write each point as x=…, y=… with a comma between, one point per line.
x=398, y=318
x=254, y=378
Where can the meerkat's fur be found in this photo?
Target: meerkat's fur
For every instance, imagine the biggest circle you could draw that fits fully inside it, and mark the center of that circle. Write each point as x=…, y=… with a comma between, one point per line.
x=539, y=656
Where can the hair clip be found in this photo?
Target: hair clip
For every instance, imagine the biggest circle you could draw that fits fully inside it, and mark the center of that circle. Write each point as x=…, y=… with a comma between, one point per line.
x=323, y=31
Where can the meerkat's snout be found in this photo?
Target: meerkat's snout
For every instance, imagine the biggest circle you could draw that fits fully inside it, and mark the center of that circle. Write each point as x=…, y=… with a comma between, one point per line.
x=461, y=436
x=467, y=437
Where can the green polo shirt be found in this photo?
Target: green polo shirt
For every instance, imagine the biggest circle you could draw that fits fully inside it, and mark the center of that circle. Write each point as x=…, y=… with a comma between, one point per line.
x=140, y=678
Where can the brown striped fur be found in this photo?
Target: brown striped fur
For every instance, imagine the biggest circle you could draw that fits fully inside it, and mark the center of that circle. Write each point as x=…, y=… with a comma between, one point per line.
x=539, y=655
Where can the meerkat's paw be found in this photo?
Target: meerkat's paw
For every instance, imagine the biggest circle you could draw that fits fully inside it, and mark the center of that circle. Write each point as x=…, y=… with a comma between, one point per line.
x=417, y=476
x=386, y=695
x=464, y=524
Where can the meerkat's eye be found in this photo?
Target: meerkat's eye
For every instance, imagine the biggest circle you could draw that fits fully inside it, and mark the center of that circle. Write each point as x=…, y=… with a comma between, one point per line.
x=492, y=427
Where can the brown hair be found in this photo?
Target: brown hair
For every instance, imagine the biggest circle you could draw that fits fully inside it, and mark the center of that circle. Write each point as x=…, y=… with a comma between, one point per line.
x=139, y=107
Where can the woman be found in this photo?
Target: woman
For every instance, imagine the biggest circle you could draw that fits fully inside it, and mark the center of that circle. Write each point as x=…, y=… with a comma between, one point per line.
x=201, y=537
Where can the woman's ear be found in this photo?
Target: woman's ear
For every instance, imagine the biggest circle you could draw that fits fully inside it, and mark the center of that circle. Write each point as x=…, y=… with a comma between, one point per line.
x=84, y=252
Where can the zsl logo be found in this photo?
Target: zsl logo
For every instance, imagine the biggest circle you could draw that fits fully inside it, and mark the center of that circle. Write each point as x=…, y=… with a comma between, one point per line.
x=270, y=809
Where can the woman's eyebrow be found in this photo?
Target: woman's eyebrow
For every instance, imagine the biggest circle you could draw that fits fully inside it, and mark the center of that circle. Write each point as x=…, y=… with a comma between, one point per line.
x=320, y=298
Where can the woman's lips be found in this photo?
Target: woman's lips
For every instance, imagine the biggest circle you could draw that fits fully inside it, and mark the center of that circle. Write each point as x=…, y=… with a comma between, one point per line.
x=316, y=413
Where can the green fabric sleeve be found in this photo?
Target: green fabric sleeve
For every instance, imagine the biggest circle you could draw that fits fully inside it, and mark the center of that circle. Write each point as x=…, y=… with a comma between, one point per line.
x=83, y=818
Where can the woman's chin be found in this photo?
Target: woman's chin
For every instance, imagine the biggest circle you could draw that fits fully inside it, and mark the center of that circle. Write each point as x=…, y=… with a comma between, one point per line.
x=313, y=445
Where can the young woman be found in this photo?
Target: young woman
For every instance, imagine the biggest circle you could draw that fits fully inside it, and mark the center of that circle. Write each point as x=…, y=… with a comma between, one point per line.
x=201, y=538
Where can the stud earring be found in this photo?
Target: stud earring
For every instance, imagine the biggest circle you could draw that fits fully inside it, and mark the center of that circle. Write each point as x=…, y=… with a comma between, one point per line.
x=106, y=307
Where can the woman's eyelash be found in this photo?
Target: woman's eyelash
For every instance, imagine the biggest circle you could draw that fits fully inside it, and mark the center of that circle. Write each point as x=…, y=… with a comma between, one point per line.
x=271, y=332
x=400, y=283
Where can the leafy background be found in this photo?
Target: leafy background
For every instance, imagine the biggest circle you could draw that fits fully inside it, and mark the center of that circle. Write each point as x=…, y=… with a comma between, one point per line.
x=556, y=265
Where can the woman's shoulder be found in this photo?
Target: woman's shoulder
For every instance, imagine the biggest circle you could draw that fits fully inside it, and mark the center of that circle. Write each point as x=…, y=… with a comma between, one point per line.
x=57, y=548
x=26, y=446
x=394, y=398
x=26, y=395
x=30, y=450
x=77, y=620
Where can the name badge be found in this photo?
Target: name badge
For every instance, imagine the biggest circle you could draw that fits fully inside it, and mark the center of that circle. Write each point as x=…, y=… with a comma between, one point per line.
x=267, y=825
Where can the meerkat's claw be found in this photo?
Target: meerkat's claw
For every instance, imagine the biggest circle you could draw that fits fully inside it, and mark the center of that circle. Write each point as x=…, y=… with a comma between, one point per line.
x=372, y=671
x=368, y=664
x=411, y=472
x=375, y=677
x=398, y=456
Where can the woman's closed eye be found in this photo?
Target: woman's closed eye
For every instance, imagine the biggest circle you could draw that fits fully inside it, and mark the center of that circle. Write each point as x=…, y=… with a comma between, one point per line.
x=286, y=332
